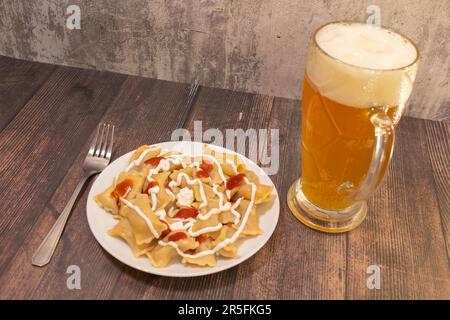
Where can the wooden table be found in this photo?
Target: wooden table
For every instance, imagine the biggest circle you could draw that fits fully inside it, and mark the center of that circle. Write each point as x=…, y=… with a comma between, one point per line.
x=48, y=116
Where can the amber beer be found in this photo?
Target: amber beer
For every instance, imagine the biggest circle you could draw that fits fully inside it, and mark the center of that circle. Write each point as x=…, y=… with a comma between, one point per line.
x=358, y=79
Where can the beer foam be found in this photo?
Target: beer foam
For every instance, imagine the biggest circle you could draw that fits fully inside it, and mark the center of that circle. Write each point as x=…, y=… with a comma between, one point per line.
x=362, y=65
x=366, y=46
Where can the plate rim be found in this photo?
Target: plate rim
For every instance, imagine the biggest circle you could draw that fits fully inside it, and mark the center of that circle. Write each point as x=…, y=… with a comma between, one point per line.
x=206, y=270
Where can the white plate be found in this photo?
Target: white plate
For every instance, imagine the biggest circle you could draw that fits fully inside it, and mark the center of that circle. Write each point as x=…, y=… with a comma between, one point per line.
x=100, y=221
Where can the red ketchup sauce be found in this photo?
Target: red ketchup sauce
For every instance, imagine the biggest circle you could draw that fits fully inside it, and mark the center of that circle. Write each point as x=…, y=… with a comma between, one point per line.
x=150, y=185
x=165, y=232
x=121, y=190
x=235, y=181
x=154, y=161
x=201, y=238
x=205, y=170
x=177, y=236
x=186, y=212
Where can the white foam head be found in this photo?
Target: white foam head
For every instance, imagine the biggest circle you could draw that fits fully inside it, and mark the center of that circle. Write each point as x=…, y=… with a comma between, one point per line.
x=366, y=46
x=362, y=65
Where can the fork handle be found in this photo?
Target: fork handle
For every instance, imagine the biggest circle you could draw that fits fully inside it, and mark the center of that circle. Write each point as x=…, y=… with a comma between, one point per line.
x=45, y=251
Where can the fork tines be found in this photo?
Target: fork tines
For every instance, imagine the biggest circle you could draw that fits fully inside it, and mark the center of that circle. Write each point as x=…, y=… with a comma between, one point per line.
x=192, y=93
x=103, y=141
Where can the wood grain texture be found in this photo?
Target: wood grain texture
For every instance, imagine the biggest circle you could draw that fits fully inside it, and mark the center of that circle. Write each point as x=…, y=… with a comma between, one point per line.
x=41, y=143
x=438, y=144
x=42, y=148
x=252, y=46
x=403, y=231
x=145, y=97
x=19, y=80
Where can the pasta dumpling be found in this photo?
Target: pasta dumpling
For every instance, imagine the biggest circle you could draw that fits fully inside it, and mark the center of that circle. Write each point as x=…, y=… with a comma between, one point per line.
x=176, y=207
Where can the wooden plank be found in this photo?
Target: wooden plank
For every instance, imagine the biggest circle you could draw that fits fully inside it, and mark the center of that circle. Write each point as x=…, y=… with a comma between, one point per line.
x=36, y=150
x=145, y=111
x=402, y=233
x=19, y=80
x=438, y=144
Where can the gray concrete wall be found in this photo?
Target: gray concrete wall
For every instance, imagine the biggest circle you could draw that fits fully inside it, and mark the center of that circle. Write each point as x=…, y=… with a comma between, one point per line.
x=253, y=46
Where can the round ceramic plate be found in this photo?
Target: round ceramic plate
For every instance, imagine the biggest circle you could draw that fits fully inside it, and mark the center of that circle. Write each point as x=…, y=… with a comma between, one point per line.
x=101, y=221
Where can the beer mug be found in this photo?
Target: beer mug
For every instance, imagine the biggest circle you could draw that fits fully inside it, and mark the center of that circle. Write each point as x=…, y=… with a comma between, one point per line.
x=357, y=81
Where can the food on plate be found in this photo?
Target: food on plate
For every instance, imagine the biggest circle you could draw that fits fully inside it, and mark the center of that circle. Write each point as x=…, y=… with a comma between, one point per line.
x=169, y=204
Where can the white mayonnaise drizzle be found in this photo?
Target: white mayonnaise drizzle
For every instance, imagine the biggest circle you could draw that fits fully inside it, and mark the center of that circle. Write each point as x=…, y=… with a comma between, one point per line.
x=170, y=194
x=164, y=165
x=219, y=167
x=161, y=213
x=204, y=230
x=213, y=211
x=171, y=211
x=139, y=160
x=143, y=216
x=236, y=213
x=153, y=192
x=232, y=165
x=177, y=224
x=177, y=182
x=187, y=224
x=222, y=207
x=222, y=244
x=154, y=195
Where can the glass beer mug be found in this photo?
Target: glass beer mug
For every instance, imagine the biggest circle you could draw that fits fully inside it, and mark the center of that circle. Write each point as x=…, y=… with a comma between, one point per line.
x=357, y=81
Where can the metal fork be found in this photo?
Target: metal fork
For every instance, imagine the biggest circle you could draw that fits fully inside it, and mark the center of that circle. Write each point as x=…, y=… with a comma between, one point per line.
x=97, y=159
x=192, y=93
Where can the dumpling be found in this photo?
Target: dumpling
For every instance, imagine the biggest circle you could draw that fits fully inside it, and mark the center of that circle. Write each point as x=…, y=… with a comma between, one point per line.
x=251, y=227
x=129, y=184
x=123, y=230
x=227, y=217
x=161, y=256
x=204, y=261
x=140, y=226
x=164, y=196
x=150, y=152
x=212, y=221
x=263, y=192
x=230, y=250
x=107, y=201
x=164, y=217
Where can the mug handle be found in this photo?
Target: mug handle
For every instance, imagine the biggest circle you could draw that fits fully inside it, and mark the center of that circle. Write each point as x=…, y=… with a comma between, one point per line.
x=382, y=152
